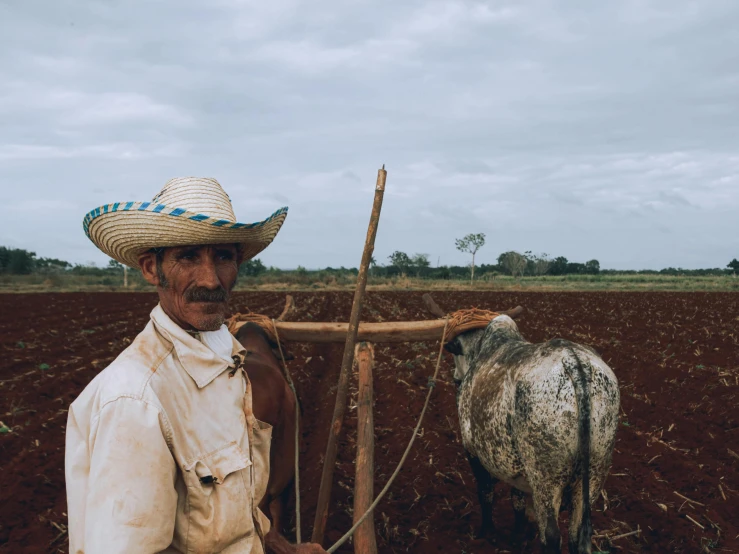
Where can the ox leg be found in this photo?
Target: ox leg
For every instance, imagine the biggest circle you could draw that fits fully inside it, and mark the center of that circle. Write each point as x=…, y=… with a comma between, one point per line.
x=277, y=504
x=518, y=500
x=547, y=500
x=275, y=513
x=485, y=493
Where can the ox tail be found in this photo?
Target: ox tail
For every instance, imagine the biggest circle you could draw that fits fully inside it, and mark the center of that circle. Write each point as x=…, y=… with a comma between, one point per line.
x=580, y=378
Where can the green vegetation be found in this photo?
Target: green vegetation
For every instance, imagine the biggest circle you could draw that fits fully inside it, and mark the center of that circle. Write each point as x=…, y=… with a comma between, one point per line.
x=21, y=271
x=471, y=244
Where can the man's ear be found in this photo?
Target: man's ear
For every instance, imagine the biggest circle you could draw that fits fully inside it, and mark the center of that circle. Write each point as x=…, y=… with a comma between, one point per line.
x=148, y=265
x=454, y=347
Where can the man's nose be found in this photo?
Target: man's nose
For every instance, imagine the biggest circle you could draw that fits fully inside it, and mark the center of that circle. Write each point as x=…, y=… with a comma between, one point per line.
x=207, y=274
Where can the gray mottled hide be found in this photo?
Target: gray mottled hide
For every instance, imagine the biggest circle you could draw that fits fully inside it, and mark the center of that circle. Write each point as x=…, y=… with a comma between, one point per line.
x=523, y=412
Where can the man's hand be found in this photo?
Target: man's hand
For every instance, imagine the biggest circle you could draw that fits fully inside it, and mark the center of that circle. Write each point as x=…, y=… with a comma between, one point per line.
x=277, y=544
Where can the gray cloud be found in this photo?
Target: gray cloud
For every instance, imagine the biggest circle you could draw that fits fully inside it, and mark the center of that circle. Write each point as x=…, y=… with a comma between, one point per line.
x=610, y=131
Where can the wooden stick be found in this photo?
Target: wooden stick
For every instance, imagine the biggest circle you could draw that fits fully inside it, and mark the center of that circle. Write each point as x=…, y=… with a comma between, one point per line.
x=364, y=536
x=329, y=461
x=289, y=308
x=698, y=524
x=688, y=499
x=624, y=535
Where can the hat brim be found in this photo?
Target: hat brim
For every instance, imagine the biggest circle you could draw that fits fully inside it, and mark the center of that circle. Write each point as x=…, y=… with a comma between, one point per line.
x=125, y=230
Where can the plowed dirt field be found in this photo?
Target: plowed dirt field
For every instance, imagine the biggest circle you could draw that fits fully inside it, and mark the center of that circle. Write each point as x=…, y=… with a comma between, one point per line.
x=676, y=356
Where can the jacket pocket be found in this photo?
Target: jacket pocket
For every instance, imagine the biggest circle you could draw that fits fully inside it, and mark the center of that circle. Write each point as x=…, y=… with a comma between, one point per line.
x=261, y=445
x=219, y=499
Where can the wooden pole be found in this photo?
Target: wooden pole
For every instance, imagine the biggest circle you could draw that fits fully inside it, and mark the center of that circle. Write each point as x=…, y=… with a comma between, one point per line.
x=364, y=482
x=324, y=492
x=125, y=276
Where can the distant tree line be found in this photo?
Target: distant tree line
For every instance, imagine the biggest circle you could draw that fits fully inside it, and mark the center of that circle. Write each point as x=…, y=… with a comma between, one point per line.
x=22, y=262
x=508, y=263
x=16, y=261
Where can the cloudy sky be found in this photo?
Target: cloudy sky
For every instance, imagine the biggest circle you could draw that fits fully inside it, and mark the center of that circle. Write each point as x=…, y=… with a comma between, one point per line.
x=608, y=130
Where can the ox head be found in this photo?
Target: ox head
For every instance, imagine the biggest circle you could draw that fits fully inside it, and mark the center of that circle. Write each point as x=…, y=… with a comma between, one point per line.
x=467, y=346
x=463, y=348
x=480, y=343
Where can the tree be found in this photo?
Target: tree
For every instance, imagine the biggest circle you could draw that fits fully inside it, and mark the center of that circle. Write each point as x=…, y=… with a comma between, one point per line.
x=420, y=263
x=51, y=265
x=592, y=267
x=252, y=268
x=372, y=265
x=558, y=266
x=21, y=262
x=471, y=243
x=734, y=265
x=13, y=260
x=513, y=262
x=537, y=265
x=575, y=268
x=400, y=260
x=542, y=264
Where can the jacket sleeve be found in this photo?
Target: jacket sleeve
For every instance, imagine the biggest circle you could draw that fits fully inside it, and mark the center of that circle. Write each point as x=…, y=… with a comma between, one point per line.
x=131, y=499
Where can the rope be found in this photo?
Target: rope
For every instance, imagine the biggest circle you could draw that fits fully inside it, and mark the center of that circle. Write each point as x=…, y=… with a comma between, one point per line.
x=289, y=379
x=236, y=321
x=432, y=383
x=465, y=320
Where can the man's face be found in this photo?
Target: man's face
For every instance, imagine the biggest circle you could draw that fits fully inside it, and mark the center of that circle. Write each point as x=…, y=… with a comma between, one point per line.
x=194, y=282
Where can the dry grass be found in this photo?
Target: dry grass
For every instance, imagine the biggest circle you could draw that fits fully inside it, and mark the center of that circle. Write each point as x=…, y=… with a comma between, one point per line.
x=506, y=283
x=289, y=281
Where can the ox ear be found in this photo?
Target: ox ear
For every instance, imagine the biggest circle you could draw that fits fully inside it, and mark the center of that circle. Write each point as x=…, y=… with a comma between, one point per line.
x=454, y=347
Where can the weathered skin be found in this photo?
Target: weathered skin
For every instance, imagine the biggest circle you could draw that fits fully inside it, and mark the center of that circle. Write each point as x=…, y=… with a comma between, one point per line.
x=540, y=417
x=273, y=402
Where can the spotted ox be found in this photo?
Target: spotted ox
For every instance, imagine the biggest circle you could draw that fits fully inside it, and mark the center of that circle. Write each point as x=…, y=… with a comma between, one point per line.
x=540, y=417
x=272, y=402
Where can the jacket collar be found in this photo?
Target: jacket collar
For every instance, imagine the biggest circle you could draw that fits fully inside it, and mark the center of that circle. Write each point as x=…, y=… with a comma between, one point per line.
x=199, y=361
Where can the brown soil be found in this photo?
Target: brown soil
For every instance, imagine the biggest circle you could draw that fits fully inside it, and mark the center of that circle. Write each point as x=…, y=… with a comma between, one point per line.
x=676, y=356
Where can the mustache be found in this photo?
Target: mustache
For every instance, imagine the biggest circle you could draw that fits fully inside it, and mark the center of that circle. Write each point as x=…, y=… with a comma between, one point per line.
x=202, y=294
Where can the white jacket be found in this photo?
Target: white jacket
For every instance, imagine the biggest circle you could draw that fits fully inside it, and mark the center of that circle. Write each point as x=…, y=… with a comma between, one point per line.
x=163, y=453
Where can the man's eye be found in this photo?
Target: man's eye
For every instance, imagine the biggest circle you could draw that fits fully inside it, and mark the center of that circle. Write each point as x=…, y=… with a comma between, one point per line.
x=226, y=256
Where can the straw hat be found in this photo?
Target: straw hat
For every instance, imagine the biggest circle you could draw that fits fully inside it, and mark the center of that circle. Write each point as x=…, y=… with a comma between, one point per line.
x=187, y=211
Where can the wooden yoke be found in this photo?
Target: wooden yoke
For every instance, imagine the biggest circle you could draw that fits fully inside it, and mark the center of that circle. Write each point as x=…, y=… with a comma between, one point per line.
x=387, y=331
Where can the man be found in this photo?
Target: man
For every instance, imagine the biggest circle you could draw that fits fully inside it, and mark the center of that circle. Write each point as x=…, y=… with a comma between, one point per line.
x=163, y=453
